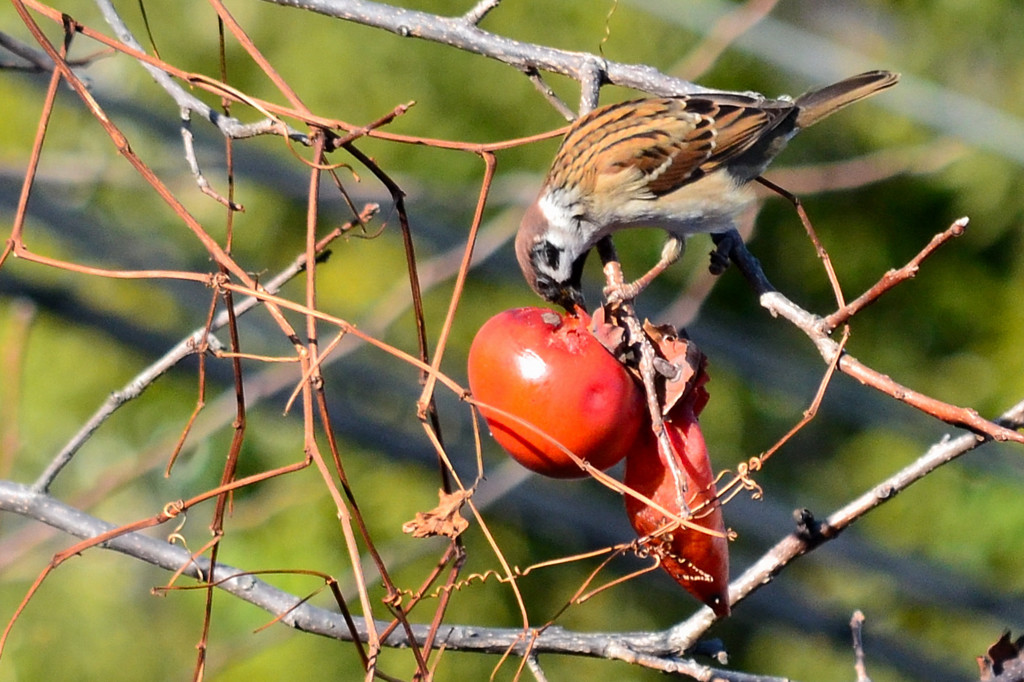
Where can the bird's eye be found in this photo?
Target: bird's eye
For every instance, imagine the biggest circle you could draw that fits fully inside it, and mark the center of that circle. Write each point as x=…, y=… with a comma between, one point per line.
x=545, y=283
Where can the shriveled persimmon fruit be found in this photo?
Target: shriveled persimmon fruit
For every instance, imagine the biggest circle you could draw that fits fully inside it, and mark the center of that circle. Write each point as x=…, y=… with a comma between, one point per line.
x=544, y=381
x=697, y=560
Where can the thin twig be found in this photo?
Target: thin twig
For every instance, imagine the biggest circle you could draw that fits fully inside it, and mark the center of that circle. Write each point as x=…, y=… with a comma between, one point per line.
x=819, y=248
x=894, y=277
x=857, y=631
x=549, y=94
x=193, y=163
x=482, y=8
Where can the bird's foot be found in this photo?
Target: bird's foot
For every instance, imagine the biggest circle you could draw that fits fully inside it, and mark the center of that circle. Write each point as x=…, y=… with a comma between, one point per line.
x=725, y=244
x=622, y=292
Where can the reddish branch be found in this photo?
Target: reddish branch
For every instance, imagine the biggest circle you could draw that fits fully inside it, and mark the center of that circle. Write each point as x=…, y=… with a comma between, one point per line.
x=818, y=330
x=894, y=277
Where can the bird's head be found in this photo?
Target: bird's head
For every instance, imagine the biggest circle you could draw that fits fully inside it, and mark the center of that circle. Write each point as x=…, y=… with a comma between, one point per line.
x=551, y=258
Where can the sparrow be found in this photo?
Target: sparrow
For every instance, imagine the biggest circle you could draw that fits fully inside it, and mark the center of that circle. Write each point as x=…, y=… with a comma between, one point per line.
x=683, y=164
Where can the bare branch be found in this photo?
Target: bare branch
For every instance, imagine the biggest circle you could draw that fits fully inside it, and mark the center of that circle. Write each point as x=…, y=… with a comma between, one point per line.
x=811, y=534
x=464, y=35
x=640, y=647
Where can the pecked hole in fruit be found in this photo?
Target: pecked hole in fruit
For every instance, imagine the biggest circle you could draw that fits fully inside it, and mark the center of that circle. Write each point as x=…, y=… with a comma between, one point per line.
x=552, y=318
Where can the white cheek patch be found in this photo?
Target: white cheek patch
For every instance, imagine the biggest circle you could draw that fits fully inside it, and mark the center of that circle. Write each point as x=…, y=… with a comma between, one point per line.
x=562, y=223
x=562, y=234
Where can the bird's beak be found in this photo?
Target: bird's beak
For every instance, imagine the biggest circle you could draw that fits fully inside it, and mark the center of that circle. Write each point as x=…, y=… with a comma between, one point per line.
x=565, y=294
x=569, y=297
x=572, y=291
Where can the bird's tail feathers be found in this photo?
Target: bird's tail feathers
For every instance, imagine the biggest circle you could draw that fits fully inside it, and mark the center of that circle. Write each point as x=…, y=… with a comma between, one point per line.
x=817, y=104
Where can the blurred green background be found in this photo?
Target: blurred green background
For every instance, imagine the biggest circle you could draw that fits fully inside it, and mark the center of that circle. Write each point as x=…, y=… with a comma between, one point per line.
x=938, y=571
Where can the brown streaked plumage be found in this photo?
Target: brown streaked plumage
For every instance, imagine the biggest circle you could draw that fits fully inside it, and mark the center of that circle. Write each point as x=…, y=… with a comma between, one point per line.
x=679, y=163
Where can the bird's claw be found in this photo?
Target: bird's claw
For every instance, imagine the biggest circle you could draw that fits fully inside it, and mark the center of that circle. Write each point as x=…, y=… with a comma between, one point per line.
x=725, y=243
x=622, y=292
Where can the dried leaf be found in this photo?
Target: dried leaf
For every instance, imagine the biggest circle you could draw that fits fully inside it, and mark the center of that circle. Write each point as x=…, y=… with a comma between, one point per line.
x=682, y=367
x=611, y=336
x=444, y=519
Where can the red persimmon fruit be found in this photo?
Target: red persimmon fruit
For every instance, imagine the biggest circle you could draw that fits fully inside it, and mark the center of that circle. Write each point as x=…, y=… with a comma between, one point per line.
x=544, y=381
x=697, y=560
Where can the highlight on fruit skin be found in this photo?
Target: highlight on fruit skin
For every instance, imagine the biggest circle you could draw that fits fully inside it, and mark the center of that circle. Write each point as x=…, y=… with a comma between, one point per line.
x=547, y=369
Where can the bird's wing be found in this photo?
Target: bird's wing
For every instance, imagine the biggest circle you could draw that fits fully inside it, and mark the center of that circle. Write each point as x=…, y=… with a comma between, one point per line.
x=655, y=146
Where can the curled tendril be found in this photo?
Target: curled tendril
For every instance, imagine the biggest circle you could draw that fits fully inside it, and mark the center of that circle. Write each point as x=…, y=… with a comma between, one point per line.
x=173, y=509
x=743, y=472
x=741, y=480
x=660, y=548
x=217, y=280
x=460, y=584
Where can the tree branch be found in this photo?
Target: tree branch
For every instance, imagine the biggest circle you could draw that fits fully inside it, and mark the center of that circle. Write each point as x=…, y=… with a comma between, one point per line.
x=658, y=650
x=297, y=613
x=810, y=533
x=465, y=35
x=817, y=330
